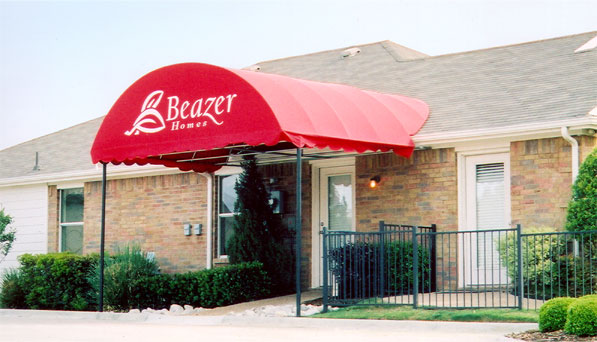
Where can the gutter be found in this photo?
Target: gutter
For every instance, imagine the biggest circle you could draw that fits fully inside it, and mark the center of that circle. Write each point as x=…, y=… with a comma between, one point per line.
x=574, y=144
x=512, y=133
x=209, y=251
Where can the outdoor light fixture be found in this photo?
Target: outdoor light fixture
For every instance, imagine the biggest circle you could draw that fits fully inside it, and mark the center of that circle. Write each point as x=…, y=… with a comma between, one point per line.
x=374, y=181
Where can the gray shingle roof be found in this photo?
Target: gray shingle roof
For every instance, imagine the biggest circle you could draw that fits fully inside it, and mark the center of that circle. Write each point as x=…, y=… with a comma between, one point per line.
x=65, y=150
x=525, y=83
x=534, y=82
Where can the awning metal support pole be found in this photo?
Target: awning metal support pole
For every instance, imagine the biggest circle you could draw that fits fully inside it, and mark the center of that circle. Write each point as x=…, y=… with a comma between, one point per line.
x=298, y=228
x=102, y=235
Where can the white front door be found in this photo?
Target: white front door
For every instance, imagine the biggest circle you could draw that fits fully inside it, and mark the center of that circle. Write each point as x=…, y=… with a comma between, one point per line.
x=334, y=208
x=487, y=179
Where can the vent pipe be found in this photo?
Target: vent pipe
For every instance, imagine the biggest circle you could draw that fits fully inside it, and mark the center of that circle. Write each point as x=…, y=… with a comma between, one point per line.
x=36, y=166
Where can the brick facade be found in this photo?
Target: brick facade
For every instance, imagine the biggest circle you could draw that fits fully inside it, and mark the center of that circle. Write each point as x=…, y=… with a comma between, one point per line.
x=150, y=212
x=420, y=190
x=53, y=217
x=541, y=177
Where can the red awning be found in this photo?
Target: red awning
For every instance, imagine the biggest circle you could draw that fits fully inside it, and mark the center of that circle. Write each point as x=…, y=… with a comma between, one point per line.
x=176, y=114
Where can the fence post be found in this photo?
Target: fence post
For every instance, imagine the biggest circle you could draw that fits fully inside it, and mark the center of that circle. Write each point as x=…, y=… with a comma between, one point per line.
x=520, y=280
x=433, y=280
x=382, y=248
x=325, y=269
x=415, y=267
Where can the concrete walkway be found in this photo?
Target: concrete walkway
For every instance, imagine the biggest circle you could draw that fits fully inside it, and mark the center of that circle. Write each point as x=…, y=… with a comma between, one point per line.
x=284, y=300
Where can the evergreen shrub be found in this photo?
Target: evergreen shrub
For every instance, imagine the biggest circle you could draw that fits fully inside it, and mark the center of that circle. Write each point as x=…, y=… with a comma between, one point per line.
x=259, y=234
x=582, y=209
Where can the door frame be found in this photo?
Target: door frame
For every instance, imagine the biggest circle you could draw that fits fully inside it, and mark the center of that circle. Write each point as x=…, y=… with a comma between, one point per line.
x=316, y=167
x=498, y=154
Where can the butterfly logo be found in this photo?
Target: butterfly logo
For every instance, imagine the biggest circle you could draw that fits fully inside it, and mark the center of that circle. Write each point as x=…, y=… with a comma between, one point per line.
x=150, y=120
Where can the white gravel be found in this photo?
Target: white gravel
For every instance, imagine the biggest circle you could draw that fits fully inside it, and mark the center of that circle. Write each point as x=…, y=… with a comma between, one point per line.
x=262, y=311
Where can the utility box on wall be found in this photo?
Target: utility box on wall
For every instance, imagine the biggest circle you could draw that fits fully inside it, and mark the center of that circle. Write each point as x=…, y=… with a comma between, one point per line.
x=276, y=200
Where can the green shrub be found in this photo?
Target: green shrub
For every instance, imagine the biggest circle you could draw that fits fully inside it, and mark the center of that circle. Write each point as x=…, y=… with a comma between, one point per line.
x=552, y=315
x=238, y=283
x=357, y=269
x=207, y=288
x=582, y=209
x=550, y=267
x=120, y=270
x=153, y=291
x=12, y=293
x=57, y=281
x=582, y=317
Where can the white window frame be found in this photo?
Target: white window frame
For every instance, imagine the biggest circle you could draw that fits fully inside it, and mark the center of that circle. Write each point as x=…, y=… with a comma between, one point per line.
x=61, y=224
x=223, y=173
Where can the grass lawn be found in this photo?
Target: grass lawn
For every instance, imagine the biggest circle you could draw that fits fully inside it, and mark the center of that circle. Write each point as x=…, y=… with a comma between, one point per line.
x=408, y=313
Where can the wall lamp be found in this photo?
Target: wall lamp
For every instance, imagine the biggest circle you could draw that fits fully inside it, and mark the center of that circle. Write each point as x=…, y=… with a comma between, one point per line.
x=374, y=181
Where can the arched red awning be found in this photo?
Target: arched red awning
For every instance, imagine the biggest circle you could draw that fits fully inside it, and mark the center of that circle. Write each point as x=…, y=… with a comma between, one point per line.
x=184, y=111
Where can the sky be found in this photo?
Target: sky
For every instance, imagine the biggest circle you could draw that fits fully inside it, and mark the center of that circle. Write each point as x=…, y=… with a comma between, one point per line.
x=64, y=63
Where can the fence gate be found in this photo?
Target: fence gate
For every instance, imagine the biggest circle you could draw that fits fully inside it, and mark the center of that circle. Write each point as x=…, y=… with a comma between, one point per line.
x=419, y=266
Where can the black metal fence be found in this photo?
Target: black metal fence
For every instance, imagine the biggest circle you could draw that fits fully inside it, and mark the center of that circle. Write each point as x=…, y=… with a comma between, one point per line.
x=421, y=267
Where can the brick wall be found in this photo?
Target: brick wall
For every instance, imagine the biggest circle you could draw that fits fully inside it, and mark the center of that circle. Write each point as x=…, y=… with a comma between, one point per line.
x=53, y=207
x=151, y=211
x=420, y=190
x=541, y=178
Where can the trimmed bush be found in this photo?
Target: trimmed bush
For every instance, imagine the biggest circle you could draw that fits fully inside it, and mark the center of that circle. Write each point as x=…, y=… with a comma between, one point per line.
x=357, y=269
x=207, y=288
x=552, y=315
x=582, y=317
x=62, y=281
x=12, y=293
x=57, y=281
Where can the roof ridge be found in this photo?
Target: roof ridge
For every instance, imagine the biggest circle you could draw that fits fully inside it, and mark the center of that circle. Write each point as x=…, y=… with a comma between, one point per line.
x=329, y=50
x=511, y=45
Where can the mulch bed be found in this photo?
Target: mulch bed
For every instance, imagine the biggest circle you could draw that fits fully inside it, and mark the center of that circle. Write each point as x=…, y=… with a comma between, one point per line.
x=537, y=336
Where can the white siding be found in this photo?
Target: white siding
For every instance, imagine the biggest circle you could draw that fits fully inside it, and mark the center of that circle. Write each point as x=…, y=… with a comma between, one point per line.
x=28, y=206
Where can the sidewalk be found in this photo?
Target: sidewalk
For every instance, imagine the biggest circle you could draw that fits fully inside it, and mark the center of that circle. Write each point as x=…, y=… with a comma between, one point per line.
x=32, y=325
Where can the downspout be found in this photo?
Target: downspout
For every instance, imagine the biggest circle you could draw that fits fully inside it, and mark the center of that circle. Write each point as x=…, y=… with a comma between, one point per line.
x=209, y=252
x=574, y=144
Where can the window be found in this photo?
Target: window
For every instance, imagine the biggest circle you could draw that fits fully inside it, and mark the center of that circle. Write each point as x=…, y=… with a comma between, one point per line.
x=227, y=198
x=71, y=220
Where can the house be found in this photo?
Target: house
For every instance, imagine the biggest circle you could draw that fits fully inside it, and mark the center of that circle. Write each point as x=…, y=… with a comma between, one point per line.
x=507, y=129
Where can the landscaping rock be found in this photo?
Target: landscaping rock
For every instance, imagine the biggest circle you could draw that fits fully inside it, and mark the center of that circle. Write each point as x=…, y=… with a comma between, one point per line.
x=135, y=311
x=176, y=309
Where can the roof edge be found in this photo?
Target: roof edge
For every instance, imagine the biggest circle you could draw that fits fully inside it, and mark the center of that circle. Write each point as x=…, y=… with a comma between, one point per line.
x=523, y=132
x=89, y=175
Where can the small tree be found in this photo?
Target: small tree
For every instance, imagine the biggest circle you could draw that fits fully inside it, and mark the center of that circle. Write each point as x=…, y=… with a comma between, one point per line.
x=7, y=236
x=582, y=209
x=258, y=232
